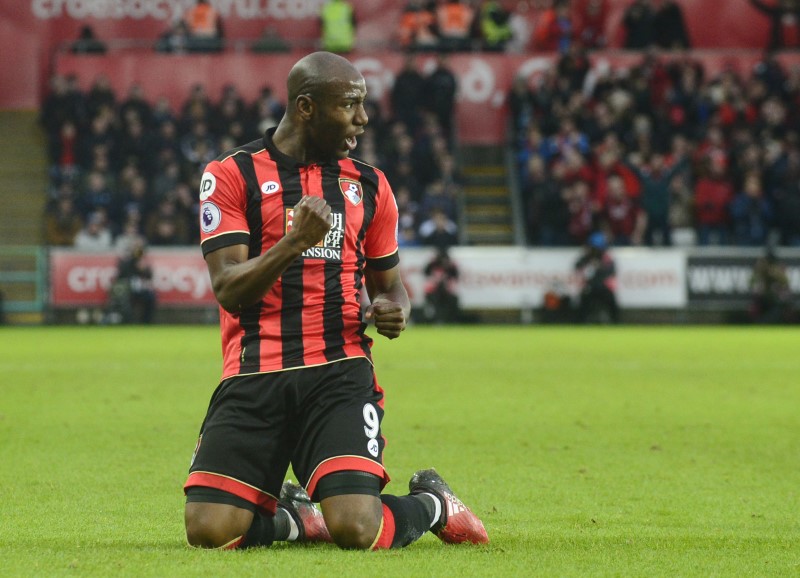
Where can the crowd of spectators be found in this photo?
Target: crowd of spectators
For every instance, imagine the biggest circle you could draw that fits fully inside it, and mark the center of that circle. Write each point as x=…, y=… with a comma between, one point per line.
x=538, y=25
x=639, y=153
x=125, y=170
x=659, y=149
x=465, y=25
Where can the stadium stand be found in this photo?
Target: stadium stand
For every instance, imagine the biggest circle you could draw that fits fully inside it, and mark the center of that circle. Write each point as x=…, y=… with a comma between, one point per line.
x=654, y=145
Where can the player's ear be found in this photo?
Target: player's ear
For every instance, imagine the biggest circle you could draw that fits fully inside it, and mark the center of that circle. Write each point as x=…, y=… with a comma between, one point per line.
x=305, y=106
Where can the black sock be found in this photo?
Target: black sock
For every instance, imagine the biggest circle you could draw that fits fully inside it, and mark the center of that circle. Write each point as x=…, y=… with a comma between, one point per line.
x=412, y=518
x=261, y=532
x=430, y=507
x=283, y=525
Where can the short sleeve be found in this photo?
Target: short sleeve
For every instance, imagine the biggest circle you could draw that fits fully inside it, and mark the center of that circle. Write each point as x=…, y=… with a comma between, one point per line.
x=381, y=238
x=223, y=203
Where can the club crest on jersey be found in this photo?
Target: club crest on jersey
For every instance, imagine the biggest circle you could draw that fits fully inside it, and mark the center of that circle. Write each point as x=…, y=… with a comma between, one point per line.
x=330, y=248
x=351, y=190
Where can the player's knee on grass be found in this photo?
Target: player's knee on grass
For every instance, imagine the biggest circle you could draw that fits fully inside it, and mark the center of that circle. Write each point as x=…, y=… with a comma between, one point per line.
x=353, y=520
x=215, y=525
x=351, y=505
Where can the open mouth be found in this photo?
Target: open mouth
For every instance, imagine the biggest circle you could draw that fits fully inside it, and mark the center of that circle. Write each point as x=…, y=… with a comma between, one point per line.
x=351, y=143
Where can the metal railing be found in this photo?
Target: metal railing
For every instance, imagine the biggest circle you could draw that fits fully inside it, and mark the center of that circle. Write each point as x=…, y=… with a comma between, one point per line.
x=23, y=279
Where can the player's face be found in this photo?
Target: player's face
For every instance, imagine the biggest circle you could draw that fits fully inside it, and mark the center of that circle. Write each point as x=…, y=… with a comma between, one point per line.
x=340, y=118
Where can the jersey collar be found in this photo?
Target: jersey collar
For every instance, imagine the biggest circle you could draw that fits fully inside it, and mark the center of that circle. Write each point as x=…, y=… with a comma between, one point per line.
x=285, y=160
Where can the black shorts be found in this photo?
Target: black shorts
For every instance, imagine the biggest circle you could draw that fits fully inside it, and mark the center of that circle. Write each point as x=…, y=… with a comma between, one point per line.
x=319, y=420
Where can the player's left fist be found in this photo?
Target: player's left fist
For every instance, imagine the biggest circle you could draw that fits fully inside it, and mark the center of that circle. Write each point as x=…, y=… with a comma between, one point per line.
x=389, y=318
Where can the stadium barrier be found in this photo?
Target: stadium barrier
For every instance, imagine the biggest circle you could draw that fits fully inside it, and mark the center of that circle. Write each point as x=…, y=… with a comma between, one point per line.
x=23, y=280
x=491, y=278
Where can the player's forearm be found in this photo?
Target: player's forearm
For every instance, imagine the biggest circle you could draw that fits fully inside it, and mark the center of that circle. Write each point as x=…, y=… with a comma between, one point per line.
x=395, y=292
x=243, y=284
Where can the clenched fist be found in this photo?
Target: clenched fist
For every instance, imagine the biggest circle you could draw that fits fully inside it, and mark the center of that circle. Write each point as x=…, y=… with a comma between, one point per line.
x=311, y=221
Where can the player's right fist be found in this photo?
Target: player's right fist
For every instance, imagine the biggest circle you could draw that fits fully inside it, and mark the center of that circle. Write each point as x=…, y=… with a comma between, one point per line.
x=311, y=221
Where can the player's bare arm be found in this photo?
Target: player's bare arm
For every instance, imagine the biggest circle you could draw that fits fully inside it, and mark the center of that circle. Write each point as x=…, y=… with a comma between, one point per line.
x=389, y=307
x=238, y=281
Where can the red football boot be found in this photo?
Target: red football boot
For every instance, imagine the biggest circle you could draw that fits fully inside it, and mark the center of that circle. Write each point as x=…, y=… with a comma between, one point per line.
x=310, y=522
x=458, y=524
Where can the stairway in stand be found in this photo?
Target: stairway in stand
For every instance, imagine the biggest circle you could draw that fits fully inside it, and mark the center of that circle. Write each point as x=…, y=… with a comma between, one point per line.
x=487, y=217
x=23, y=172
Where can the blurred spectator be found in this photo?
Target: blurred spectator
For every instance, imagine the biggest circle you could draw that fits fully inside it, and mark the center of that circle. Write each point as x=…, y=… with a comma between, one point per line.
x=556, y=304
x=197, y=108
x=784, y=16
x=136, y=145
x=573, y=66
x=87, y=42
x=495, y=26
x=130, y=238
x=441, y=289
x=568, y=138
x=338, y=26
x=521, y=108
x=166, y=226
x=96, y=193
x=197, y=147
x=520, y=22
x=581, y=211
x=591, y=16
x=670, y=27
x=63, y=152
x=656, y=178
x=418, y=30
x=439, y=197
x=167, y=144
x=547, y=211
x=132, y=297
x=638, y=23
x=608, y=162
x=408, y=94
x=101, y=97
x=751, y=213
x=597, y=302
x=408, y=214
x=175, y=39
x=265, y=112
x=166, y=179
x=135, y=199
x=454, y=19
x=772, y=295
x=622, y=216
x=62, y=223
x=95, y=235
x=229, y=111
x=62, y=104
x=270, y=41
x=440, y=95
x=205, y=27
x=438, y=230
x=555, y=29
x=136, y=104
x=99, y=141
x=162, y=111
x=713, y=194
x=400, y=169
x=187, y=210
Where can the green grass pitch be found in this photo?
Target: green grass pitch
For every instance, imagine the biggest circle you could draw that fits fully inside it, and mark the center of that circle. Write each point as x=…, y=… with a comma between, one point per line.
x=627, y=451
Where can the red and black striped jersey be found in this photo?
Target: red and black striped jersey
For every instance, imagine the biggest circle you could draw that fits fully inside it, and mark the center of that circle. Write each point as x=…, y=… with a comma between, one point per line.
x=312, y=315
